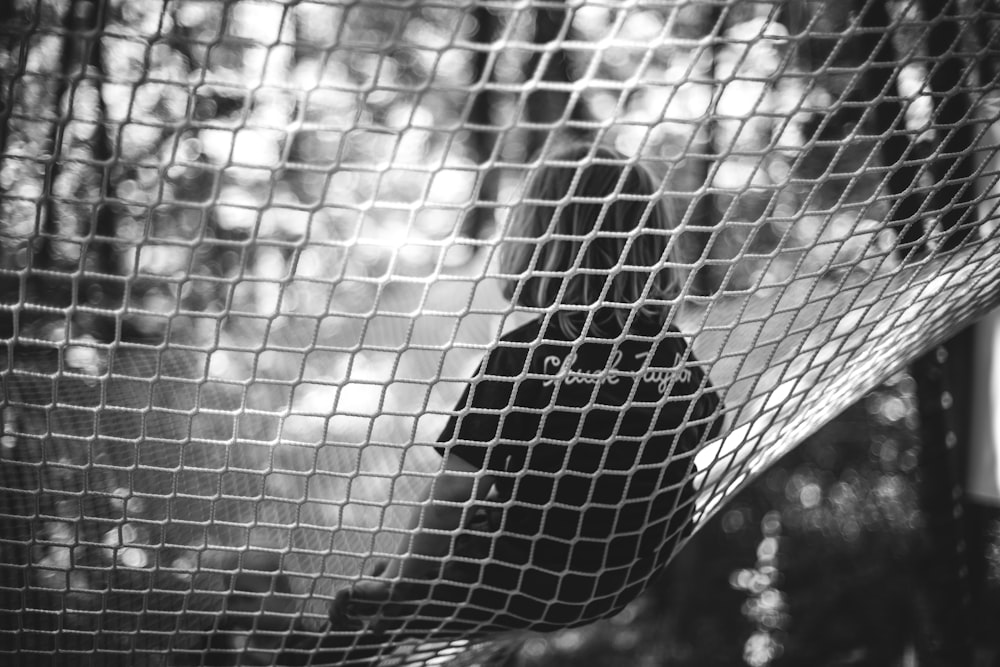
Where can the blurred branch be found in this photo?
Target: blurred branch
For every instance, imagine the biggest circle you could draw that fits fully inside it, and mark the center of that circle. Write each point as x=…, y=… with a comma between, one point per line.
x=547, y=102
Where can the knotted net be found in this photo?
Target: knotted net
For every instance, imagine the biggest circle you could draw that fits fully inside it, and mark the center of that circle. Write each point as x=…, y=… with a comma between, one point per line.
x=247, y=265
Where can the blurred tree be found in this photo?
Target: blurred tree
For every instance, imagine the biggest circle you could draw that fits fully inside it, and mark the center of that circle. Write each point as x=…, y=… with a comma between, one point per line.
x=551, y=107
x=99, y=220
x=945, y=165
x=706, y=212
x=951, y=165
x=484, y=129
x=548, y=105
x=58, y=172
x=945, y=376
x=77, y=225
x=951, y=71
x=986, y=33
x=900, y=151
x=262, y=174
x=942, y=595
x=11, y=44
x=30, y=112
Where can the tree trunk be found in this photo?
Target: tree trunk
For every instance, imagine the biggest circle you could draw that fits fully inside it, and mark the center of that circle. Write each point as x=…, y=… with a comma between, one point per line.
x=953, y=164
x=31, y=128
x=944, y=622
x=942, y=631
x=98, y=224
x=483, y=133
x=549, y=105
x=899, y=151
x=705, y=214
x=943, y=378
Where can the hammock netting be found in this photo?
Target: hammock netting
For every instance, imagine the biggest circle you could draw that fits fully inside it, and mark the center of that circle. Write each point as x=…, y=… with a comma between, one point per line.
x=247, y=266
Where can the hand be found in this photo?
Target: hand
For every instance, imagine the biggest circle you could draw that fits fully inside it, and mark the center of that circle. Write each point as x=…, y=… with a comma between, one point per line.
x=363, y=601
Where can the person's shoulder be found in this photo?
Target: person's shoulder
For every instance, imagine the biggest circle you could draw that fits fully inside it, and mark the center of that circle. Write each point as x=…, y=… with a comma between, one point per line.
x=672, y=349
x=523, y=330
x=507, y=355
x=665, y=337
x=672, y=336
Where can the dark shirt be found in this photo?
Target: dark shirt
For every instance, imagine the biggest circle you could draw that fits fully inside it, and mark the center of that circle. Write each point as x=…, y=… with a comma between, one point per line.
x=586, y=445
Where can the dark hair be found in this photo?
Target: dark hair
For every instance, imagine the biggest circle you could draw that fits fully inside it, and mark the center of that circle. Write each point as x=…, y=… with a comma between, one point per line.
x=591, y=230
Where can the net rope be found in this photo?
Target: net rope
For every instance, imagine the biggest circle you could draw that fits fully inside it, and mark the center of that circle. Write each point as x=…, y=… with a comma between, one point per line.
x=248, y=267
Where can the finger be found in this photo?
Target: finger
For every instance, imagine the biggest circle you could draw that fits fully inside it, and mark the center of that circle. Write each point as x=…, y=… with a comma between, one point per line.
x=371, y=591
x=380, y=566
x=340, y=618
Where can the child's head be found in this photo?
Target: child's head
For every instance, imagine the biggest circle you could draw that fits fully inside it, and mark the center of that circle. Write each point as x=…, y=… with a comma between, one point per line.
x=591, y=231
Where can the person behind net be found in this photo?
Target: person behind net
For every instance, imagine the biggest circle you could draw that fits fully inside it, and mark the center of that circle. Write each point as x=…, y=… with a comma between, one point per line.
x=567, y=463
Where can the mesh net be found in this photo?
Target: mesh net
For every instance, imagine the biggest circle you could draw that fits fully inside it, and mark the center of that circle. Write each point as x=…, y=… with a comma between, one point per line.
x=249, y=267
